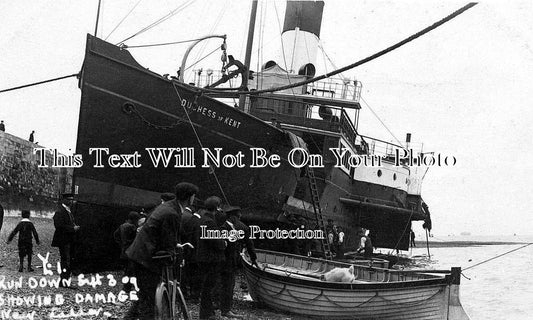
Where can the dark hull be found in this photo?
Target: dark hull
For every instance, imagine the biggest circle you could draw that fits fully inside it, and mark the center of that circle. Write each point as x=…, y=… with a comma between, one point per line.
x=126, y=108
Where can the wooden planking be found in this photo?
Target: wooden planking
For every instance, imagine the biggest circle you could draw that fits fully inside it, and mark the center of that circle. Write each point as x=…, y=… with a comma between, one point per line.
x=408, y=304
x=418, y=300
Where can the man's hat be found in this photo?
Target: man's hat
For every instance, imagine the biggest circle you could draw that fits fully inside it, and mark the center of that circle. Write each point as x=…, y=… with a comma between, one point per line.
x=212, y=203
x=167, y=196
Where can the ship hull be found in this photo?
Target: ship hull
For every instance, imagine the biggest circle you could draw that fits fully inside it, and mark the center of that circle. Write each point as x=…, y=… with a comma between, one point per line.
x=126, y=109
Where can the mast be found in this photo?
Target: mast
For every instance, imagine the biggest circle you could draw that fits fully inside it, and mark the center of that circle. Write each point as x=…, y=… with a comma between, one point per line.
x=97, y=18
x=248, y=56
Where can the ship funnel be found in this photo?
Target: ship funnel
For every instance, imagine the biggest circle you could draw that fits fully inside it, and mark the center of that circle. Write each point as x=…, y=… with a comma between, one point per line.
x=301, y=33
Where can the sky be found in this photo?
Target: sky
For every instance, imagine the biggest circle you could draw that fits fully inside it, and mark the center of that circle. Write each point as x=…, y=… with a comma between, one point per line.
x=463, y=89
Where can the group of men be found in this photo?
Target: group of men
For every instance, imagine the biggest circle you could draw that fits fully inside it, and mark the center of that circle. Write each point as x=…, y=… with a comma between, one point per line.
x=174, y=222
x=209, y=267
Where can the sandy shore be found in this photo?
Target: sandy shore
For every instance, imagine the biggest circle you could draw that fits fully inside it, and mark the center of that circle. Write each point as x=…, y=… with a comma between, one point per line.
x=45, y=229
x=9, y=297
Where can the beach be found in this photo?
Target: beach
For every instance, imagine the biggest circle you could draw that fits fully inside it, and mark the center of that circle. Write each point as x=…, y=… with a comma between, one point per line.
x=109, y=310
x=497, y=289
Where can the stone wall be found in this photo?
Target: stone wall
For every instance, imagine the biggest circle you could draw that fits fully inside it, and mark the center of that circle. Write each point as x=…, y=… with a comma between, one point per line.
x=23, y=185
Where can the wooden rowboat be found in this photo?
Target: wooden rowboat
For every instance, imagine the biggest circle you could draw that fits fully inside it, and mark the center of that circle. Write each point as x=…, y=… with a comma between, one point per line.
x=293, y=284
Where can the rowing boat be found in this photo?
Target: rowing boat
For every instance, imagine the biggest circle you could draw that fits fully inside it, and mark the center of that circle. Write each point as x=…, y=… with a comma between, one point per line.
x=294, y=284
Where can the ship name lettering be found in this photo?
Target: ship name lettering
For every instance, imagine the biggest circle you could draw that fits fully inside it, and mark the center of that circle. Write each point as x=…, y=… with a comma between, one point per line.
x=232, y=122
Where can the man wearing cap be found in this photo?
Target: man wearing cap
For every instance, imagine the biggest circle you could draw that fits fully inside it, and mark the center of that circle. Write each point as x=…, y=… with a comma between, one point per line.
x=167, y=196
x=64, y=234
x=191, y=233
x=209, y=256
x=160, y=232
x=232, y=255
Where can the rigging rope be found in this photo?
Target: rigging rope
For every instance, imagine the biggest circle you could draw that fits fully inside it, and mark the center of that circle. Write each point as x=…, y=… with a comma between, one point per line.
x=382, y=123
x=40, y=82
x=203, y=45
x=321, y=47
x=160, y=20
x=199, y=141
x=365, y=60
x=498, y=256
x=283, y=48
x=207, y=55
x=405, y=229
x=118, y=25
x=159, y=44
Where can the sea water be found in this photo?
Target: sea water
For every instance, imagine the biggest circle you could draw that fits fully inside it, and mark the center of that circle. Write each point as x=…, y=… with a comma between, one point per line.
x=498, y=289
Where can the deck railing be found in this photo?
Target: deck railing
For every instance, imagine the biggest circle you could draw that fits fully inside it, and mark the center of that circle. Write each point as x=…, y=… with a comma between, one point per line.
x=334, y=88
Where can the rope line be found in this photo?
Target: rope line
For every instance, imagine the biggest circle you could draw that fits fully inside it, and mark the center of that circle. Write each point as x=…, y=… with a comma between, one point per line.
x=40, y=82
x=158, y=44
x=365, y=60
x=498, y=256
x=160, y=20
x=118, y=25
x=207, y=55
x=211, y=169
x=382, y=123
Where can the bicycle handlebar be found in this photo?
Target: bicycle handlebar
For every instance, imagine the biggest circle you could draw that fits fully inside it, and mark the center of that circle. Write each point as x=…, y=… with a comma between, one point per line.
x=172, y=255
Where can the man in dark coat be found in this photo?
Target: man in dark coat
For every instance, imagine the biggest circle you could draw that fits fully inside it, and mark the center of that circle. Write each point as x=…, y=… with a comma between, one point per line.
x=210, y=255
x=124, y=236
x=192, y=282
x=63, y=238
x=1, y=216
x=26, y=230
x=160, y=232
x=232, y=257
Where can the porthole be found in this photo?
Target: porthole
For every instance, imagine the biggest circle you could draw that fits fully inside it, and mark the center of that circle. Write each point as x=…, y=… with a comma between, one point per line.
x=379, y=173
x=394, y=177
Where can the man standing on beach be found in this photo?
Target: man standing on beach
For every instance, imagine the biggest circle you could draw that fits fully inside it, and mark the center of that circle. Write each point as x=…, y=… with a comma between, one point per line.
x=160, y=232
x=1, y=216
x=209, y=257
x=63, y=238
x=232, y=256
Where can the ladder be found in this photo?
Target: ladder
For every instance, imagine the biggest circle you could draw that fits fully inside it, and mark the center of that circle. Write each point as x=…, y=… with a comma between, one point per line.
x=315, y=199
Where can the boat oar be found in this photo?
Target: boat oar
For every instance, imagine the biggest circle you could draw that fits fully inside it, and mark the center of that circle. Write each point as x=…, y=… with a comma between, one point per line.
x=288, y=273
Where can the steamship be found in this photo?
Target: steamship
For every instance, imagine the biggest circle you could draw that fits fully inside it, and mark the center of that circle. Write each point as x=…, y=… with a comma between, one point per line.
x=126, y=107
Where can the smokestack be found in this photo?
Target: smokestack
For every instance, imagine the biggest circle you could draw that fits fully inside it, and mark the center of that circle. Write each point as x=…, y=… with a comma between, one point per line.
x=300, y=36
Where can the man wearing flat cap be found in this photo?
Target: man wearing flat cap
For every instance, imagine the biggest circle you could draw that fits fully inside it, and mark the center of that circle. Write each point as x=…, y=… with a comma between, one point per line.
x=232, y=253
x=64, y=234
x=167, y=196
x=160, y=232
x=209, y=256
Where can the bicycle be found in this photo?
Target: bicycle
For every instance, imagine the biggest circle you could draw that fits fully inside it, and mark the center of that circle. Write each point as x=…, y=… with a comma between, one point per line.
x=168, y=290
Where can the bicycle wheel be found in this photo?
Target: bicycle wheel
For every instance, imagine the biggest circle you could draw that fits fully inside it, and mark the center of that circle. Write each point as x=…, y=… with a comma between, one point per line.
x=182, y=312
x=163, y=309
